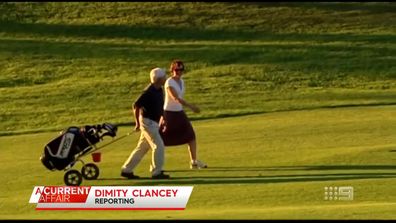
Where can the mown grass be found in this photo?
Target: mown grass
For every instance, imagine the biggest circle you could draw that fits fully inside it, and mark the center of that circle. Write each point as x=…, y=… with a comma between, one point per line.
x=64, y=64
x=270, y=17
x=67, y=64
x=266, y=166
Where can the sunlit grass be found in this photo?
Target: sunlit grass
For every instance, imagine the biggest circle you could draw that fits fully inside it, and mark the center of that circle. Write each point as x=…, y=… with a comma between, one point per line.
x=80, y=63
x=266, y=166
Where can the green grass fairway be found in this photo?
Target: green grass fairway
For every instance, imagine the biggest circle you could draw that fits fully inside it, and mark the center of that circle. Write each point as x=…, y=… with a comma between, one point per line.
x=78, y=63
x=267, y=166
x=294, y=97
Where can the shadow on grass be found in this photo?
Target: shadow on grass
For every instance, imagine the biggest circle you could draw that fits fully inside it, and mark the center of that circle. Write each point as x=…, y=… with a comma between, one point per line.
x=374, y=8
x=212, y=53
x=261, y=177
x=157, y=33
x=246, y=179
x=293, y=168
x=224, y=115
x=383, y=7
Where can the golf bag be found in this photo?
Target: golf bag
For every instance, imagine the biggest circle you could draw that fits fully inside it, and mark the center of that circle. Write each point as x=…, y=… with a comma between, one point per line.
x=73, y=143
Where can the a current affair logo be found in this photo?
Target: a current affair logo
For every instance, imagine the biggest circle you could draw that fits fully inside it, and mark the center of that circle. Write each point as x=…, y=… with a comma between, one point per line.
x=110, y=198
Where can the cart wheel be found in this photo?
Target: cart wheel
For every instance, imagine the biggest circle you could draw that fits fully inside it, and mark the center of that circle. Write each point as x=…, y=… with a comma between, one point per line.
x=90, y=171
x=73, y=178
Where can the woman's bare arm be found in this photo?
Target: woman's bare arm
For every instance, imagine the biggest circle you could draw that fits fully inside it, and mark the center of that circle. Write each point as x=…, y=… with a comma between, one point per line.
x=172, y=92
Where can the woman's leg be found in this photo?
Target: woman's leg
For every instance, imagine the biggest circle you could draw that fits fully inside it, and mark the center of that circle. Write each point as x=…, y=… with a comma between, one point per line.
x=192, y=148
x=195, y=164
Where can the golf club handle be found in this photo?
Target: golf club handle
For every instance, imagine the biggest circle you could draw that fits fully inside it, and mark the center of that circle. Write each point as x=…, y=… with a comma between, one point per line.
x=113, y=141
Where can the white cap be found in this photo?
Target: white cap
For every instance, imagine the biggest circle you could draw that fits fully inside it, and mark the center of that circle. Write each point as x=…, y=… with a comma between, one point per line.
x=157, y=73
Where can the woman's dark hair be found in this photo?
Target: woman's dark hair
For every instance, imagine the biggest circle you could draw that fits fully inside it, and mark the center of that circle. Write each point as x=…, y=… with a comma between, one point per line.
x=176, y=65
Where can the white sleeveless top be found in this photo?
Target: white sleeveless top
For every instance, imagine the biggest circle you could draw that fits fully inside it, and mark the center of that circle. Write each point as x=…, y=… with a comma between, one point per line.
x=170, y=104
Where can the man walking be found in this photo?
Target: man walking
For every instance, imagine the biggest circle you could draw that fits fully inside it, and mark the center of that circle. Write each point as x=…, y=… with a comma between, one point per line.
x=148, y=110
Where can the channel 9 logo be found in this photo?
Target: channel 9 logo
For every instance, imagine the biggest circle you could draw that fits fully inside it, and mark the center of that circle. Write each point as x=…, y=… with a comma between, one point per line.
x=338, y=193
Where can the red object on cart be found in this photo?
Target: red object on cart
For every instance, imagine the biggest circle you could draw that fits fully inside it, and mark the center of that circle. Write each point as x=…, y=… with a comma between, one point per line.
x=96, y=157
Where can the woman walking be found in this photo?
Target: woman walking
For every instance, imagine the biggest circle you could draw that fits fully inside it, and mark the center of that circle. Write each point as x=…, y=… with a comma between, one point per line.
x=175, y=128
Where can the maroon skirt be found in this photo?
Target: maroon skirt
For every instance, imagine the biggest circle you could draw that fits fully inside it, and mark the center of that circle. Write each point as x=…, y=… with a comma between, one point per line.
x=177, y=129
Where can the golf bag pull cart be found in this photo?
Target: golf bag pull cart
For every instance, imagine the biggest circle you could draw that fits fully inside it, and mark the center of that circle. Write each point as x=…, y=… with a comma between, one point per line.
x=73, y=143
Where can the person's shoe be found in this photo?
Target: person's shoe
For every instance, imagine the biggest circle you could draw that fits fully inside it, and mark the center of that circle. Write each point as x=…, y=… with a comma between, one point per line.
x=161, y=176
x=129, y=175
x=197, y=164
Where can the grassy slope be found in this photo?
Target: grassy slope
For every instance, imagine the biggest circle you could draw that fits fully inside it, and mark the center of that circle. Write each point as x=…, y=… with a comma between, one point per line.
x=267, y=166
x=78, y=63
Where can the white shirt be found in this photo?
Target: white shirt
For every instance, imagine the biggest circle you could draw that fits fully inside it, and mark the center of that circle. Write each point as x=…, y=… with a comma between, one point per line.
x=170, y=104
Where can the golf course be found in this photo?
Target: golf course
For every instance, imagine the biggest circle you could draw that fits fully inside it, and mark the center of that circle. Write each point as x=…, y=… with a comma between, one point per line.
x=294, y=98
